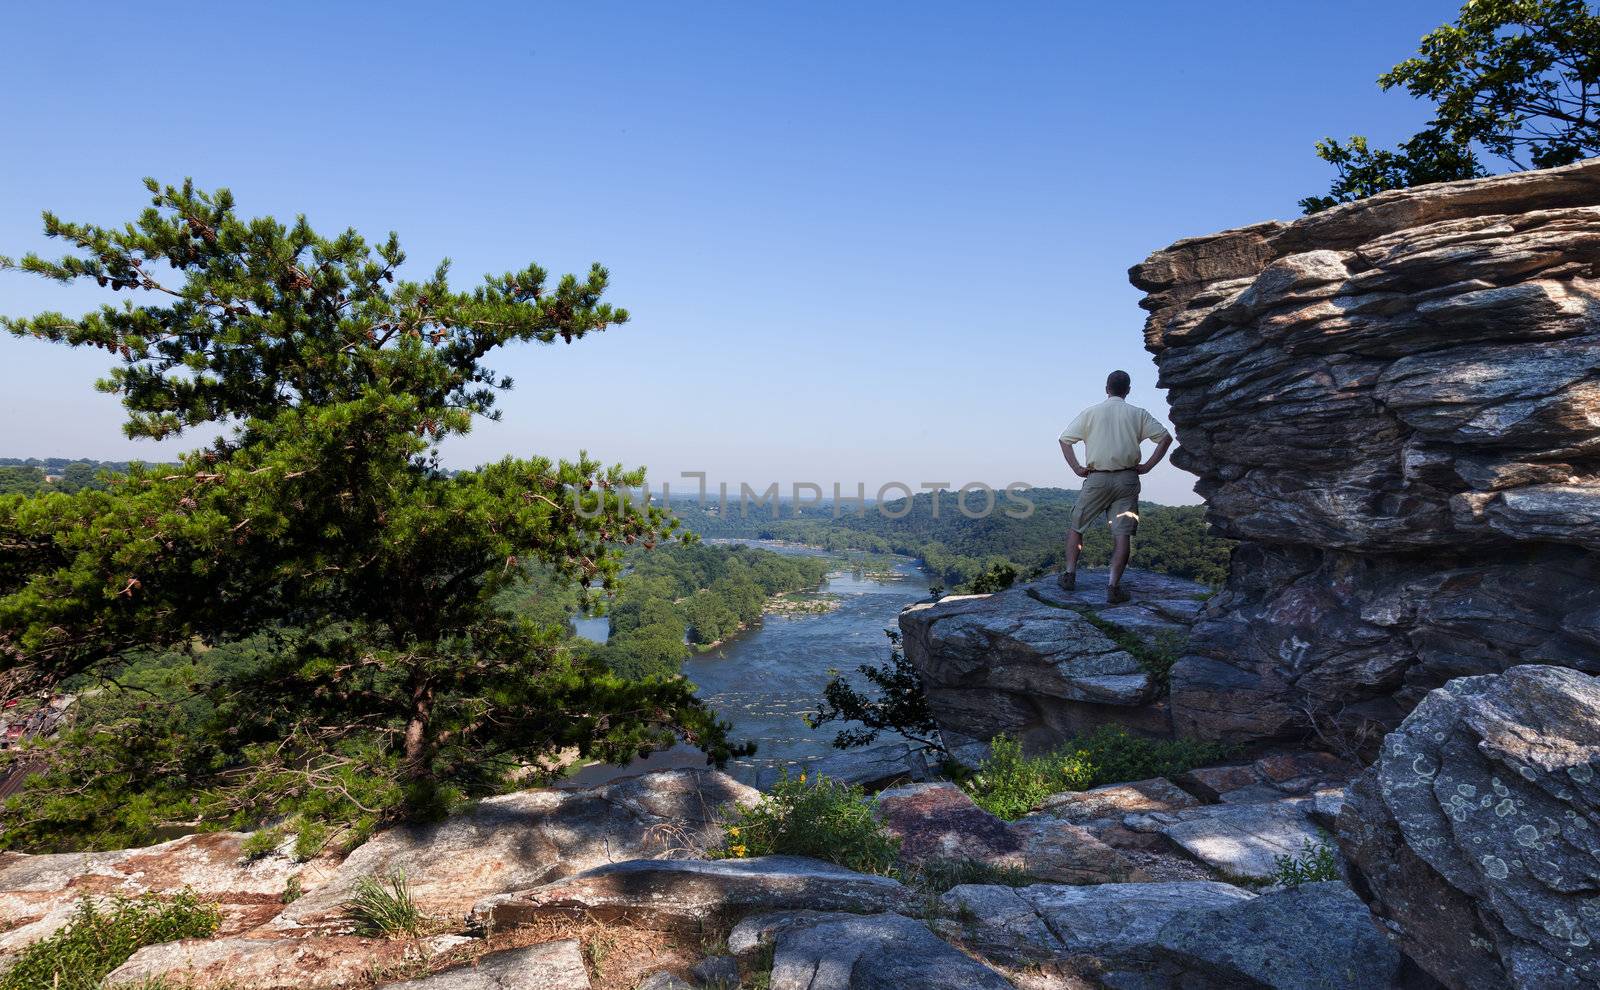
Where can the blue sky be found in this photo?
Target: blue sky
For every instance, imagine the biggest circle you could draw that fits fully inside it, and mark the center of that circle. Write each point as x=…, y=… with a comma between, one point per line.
x=861, y=242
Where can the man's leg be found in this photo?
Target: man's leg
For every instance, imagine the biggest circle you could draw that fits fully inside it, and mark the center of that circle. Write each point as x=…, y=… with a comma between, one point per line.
x=1124, y=523
x=1069, y=573
x=1120, y=552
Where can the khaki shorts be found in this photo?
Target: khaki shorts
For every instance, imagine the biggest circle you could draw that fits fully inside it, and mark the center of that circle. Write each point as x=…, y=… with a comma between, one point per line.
x=1114, y=493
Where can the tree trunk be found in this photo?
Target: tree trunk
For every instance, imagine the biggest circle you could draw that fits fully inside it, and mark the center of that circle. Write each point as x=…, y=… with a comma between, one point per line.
x=418, y=743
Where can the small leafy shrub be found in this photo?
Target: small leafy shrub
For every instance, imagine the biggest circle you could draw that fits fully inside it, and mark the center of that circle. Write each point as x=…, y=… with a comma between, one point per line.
x=383, y=908
x=997, y=576
x=895, y=703
x=939, y=875
x=822, y=818
x=1009, y=784
x=1118, y=756
x=1315, y=863
x=99, y=938
x=293, y=890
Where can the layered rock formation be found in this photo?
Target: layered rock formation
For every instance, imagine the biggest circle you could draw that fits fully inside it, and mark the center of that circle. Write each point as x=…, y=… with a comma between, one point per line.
x=1395, y=406
x=1476, y=835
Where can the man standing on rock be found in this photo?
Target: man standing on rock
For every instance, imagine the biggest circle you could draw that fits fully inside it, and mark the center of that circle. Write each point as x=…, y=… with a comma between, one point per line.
x=1111, y=433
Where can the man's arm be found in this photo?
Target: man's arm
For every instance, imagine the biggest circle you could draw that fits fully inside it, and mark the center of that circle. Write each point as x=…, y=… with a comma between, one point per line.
x=1072, y=460
x=1156, y=455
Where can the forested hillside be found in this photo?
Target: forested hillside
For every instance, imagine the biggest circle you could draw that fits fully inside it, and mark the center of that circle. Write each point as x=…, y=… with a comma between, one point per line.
x=674, y=599
x=958, y=549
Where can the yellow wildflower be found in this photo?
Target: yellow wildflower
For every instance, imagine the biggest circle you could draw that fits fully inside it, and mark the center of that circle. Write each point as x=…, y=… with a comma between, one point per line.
x=733, y=830
x=802, y=778
x=738, y=850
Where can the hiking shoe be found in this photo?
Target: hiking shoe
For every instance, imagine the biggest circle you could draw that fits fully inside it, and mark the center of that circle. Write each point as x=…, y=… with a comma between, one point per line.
x=1068, y=581
x=1116, y=596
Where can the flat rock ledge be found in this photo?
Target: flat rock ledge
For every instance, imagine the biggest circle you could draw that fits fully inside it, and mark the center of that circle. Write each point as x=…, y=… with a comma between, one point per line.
x=1029, y=663
x=675, y=894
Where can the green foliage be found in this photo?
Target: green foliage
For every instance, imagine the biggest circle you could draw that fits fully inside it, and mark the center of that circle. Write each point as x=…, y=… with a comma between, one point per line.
x=997, y=576
x=822, y=818
x=293, y=889
x=98, y=939
x=1009, y=784
x=939, y=875
x=1518, y=78
x=382, y=907
x=385, y=677
x=898, y=704
x=1362, y=172
x=1315, y=864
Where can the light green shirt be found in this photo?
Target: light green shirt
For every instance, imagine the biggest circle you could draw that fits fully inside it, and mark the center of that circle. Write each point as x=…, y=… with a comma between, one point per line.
x=1111, y=433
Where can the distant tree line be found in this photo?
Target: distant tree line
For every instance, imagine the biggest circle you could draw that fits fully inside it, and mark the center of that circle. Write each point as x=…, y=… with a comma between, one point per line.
x=959, y=551
x=27, y=476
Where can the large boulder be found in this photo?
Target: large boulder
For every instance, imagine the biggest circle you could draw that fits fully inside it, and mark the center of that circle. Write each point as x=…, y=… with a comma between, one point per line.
x=1047, y=922
x=938, y=821
x=1393, y=404
x=1029, y=662
x=1310, y=937
x=525, y=839
x=1476, y=836
x=1197, y=935
x=673, y=894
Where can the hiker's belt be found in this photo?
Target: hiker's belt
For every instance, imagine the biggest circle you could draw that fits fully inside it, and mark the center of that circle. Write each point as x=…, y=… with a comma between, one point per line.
x=1109, y=470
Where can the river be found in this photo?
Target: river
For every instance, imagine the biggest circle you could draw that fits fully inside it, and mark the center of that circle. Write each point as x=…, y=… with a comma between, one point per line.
x=766, y=678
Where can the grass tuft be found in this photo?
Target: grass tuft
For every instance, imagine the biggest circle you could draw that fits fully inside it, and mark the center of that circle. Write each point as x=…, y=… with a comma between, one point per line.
x=935, y=876
x=1009, y=784
x=383, y=908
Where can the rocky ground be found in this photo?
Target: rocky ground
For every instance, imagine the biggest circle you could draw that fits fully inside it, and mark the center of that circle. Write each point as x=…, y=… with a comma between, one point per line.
x=611, y=887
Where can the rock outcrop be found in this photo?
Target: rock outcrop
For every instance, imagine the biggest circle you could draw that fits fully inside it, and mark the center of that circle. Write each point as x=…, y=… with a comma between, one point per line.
x=1395, y=406
x=520, y=840
x=1036, y=662
x=1476, y=835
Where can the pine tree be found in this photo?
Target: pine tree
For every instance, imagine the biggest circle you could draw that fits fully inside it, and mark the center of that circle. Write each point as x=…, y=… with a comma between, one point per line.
x=320, y=527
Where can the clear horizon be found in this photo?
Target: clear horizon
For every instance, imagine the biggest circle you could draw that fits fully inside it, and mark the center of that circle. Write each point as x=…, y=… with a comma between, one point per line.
x=858, y=245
